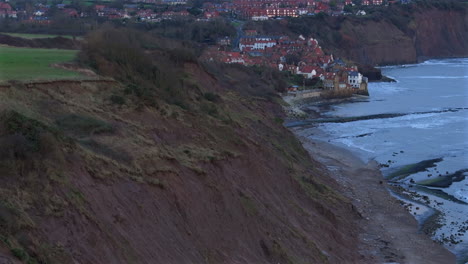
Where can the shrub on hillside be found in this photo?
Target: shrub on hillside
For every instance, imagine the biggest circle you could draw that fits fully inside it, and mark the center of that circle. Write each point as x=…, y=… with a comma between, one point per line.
x=25, y=143
x=83, y=125
x=211, y=97
x=117, y=99
x=24, y=131
x=151, y=74
x=245, y=80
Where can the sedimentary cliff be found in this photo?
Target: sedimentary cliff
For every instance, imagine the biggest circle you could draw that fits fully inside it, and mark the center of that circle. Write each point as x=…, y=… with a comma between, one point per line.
x=386, y=35
x=441, y=33
x=195, y=167
x=429, y=33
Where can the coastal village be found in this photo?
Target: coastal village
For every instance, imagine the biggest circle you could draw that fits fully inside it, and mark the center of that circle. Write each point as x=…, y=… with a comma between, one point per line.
x=301, y=56
x=43, y=12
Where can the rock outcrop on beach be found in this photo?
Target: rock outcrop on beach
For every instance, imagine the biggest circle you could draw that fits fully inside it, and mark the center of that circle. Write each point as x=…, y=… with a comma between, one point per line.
x=133, y=171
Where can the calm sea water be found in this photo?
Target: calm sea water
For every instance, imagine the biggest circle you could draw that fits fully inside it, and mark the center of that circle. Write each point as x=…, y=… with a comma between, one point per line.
x=426, y=117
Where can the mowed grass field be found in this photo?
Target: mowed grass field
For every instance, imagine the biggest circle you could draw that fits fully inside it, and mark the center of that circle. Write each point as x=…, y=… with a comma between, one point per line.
x=30, y=63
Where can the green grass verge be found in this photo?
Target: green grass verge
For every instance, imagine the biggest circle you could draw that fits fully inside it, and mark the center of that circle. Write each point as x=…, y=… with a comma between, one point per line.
x=30, y=63
x=34, y=36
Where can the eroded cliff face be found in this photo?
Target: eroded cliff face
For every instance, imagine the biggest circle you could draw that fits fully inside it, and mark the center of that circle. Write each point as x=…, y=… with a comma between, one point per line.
x=87, y=178
x=375, y=43
x=426, y=33
x=441, y=33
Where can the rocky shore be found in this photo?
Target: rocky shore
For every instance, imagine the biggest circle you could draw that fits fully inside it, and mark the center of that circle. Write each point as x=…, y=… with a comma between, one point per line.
x=388, y=231
x=389, y=234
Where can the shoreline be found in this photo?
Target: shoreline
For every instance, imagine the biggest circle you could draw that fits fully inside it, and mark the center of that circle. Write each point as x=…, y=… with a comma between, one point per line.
x=389, y=233
x=437, y=211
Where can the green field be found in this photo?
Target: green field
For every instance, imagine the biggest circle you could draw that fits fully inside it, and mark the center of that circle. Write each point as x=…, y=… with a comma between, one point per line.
x=29, y=63
x=34, y=36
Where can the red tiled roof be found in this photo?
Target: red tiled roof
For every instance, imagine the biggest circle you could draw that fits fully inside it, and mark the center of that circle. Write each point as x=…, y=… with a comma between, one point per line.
x=307, y=69
x=5, y=6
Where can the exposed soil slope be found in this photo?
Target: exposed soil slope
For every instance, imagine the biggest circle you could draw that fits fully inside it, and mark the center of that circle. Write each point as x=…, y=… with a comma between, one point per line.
x=87, y=178
x=429, y=33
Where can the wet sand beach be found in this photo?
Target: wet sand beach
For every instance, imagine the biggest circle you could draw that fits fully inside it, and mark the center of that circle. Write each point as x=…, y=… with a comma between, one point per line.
x=389, y=234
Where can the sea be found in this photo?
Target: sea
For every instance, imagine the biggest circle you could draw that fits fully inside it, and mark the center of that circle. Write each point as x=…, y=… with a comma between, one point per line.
x=417, y=129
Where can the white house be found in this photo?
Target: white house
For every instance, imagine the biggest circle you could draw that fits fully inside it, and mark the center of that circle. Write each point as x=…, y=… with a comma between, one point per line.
x=302, y=11
x=259, y=18
x=39, y=13
x=234, y=57
x=264, y=44
x=361, y=13
x=355, y=79
x=175, y=2
x=256, y=43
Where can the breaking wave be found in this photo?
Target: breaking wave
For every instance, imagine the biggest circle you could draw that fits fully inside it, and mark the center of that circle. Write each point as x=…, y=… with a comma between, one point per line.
x=462, y=195
x=461, y=61
x=435, y=77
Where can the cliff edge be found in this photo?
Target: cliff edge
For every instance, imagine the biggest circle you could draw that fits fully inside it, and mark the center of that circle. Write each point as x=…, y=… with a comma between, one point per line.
x=173, y=162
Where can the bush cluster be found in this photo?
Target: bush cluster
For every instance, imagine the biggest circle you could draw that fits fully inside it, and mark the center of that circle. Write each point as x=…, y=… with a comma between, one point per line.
x=83, y=125
x=150, y=71
x=21, y=134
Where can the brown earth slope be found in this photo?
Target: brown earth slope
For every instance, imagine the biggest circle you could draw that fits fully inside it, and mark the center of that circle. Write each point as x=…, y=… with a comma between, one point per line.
x=88, y=178
x=429, y=33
